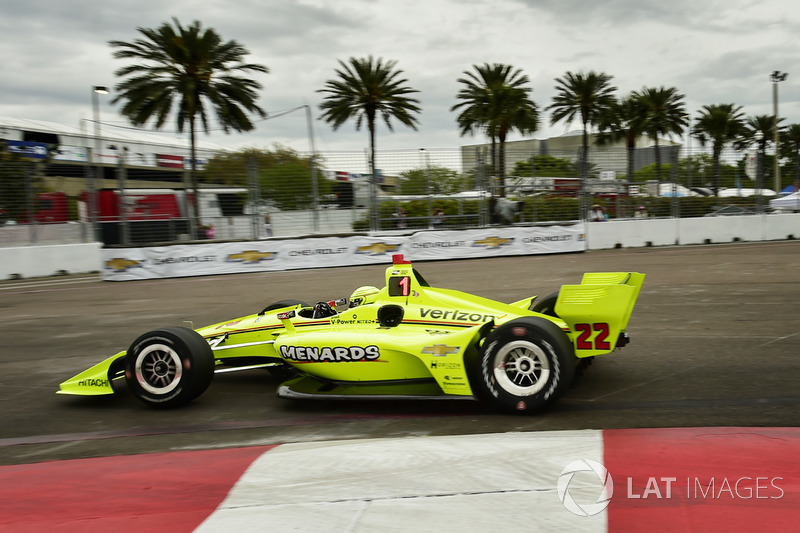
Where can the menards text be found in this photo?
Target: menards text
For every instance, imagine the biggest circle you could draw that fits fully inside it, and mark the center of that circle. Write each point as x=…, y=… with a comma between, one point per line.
x=337, y=354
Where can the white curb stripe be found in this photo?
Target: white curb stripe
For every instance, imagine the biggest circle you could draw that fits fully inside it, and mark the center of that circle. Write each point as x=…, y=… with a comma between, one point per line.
x=495, y=482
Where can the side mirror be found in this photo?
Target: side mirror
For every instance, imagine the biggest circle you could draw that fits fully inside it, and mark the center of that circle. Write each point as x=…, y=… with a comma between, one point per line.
x=390, y=315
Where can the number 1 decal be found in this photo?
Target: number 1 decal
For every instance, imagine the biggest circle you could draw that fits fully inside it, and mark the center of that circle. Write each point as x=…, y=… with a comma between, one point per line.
x=399, y=286
x=584, y=342
x=405, y=285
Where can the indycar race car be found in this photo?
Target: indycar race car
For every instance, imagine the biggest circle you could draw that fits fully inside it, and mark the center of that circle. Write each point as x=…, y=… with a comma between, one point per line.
x=406, y=340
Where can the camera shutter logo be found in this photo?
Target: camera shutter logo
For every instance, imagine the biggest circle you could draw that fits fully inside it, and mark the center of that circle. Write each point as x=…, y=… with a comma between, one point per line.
x=603, y=480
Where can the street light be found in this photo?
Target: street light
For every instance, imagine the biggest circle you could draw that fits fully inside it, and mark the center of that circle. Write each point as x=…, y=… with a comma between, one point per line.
x=689, y=151
x=97, y=89
x=776, y=77
x=313, y=163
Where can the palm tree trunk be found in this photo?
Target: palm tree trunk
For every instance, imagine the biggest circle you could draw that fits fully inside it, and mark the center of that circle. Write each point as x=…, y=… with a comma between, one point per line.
x=195, y=212
x=796, y=172
x=717, y=152
x=494, y=157
x=373, y=192
x=501, y=163
x=658, y=162
x=584, y=156
x=631, y=161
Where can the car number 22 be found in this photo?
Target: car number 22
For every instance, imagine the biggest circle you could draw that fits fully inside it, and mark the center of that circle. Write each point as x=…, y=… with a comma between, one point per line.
x=585, y=332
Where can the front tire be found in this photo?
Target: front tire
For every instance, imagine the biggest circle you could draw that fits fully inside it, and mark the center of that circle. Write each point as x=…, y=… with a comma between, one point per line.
x=525, y=364
x=169, y=367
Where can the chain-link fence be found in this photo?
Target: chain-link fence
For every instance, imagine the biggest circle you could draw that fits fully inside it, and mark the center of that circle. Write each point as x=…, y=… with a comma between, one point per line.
x=282, y=193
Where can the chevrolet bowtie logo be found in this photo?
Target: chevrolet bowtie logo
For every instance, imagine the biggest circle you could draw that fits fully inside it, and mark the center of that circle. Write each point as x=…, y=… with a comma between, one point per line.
x=119, y=264
x=493, y=242
x=440, y=349
x=252, y=256
x=377, y=248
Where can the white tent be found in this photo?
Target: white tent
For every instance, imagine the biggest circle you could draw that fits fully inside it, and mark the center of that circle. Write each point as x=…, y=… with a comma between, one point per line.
x=790, y=202
x=743, y=192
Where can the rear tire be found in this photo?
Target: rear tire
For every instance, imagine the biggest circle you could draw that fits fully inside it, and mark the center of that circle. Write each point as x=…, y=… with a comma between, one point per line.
x=169, y=367
x=525, y=364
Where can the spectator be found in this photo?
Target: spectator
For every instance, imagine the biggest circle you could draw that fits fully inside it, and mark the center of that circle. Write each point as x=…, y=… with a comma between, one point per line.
x=597, y=214
x=207, y=232
x=267, y=227
x=641, y=212
x=400, y=216
x=437, y=219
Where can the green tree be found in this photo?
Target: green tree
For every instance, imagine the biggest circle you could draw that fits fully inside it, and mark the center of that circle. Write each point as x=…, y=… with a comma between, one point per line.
x=586, y=96
x=546, y=166
x=19, y=181
x=697, y=169
x=758, y=131
x=624, y=120
x=185, y=73
x=284, y=176
x=665, y=116
x=790, y=146
x=495, y=99
x=364, y=90
x=718, y=124
x=433, y=180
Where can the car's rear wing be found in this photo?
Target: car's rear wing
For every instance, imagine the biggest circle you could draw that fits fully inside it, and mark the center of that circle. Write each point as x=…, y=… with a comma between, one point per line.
x=598, y=310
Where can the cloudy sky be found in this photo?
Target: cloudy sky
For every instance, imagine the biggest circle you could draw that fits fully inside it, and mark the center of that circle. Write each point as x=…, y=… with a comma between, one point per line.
x=712, y=51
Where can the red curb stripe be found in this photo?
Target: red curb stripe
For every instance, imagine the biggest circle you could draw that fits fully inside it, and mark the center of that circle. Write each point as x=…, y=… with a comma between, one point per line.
x=163, y=492
x=706, y=464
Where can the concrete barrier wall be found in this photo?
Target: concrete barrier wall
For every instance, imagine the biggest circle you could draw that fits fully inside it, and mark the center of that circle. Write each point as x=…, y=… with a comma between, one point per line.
x=48, y=260
x=707, y=230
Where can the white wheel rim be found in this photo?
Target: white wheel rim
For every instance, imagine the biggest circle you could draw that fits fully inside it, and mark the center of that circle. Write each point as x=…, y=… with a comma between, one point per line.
x=521, y=368
x=158, y=369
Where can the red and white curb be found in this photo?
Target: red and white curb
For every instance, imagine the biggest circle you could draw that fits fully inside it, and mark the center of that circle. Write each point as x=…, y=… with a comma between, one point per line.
x=692, y=479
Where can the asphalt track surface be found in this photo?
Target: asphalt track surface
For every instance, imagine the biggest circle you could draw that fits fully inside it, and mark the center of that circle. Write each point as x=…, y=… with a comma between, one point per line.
x=715, y=342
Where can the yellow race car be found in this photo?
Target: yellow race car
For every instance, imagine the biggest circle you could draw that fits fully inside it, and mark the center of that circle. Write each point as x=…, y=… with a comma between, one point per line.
x=406, y=340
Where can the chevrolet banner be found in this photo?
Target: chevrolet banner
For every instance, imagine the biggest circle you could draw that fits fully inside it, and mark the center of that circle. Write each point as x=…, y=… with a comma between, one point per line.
x=122, y=264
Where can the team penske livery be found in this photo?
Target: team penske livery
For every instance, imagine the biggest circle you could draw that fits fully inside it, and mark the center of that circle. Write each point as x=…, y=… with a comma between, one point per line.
x=406, y=340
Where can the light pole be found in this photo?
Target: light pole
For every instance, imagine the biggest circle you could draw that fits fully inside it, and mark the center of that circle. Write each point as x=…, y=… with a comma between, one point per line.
x=776, y=77
x=313, y=163
x=760, y=142
x=689, y=152
x=97, y=89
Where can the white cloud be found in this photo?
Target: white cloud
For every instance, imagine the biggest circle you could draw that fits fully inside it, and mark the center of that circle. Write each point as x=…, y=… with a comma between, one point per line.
x=712, y=51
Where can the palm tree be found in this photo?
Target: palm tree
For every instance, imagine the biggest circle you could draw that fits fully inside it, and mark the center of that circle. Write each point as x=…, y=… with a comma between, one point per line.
x=625, y=121
x=758, y=130
x=718, y=124
x=666, y=115
x=587, y=96
x=790, y=144
x=365, y=90
x=193, y=70
x=496, y=101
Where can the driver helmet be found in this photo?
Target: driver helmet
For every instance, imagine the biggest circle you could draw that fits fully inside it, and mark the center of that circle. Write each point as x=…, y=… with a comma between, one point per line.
x=364, y=295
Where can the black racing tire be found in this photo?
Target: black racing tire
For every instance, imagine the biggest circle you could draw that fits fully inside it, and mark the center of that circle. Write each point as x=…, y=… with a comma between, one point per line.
x=525, y=364
x=546, y=305
x=169, y=367
x=281, y=304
